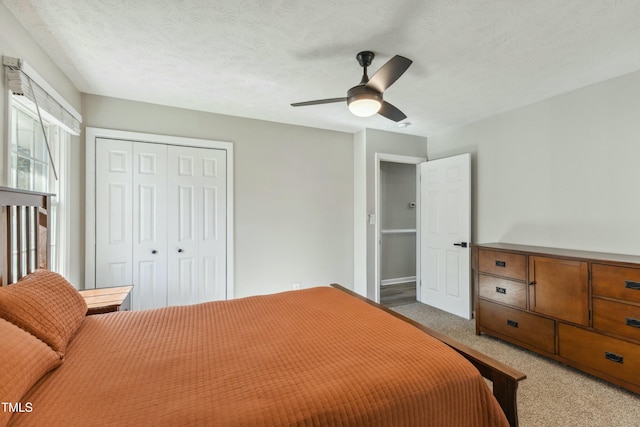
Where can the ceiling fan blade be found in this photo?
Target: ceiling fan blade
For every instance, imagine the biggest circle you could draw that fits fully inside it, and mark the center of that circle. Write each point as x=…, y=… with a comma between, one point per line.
x=389, y=73
x=319, y=101
x=390, y=112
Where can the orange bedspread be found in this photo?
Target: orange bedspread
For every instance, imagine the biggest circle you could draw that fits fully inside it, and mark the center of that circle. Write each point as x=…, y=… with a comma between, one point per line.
x=311, y=357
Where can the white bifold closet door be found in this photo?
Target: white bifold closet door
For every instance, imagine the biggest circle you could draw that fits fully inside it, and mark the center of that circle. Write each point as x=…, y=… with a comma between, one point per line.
x=161, y=222
x=196, y=216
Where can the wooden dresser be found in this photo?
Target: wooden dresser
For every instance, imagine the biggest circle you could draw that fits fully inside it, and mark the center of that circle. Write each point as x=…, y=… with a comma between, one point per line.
x=579, y=308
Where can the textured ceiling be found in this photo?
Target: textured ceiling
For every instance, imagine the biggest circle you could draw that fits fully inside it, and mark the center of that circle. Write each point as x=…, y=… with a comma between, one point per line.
x=252, y=58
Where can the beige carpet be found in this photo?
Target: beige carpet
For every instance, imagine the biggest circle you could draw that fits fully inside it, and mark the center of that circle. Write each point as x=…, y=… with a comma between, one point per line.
x=552, y=394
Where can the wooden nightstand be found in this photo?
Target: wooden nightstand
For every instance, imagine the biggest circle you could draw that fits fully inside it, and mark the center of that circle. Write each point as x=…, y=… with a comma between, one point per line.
x=107, y=300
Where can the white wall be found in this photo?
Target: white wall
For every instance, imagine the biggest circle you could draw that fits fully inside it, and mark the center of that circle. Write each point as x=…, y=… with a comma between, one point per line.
x=293, y=191
x=562, y=172
x=16, y=42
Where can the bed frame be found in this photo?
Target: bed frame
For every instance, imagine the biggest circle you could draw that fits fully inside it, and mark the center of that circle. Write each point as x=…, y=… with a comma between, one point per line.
x=25, y=231
x=504, y=378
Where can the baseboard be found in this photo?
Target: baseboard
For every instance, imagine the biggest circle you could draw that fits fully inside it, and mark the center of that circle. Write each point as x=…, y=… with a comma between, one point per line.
x=397, y=281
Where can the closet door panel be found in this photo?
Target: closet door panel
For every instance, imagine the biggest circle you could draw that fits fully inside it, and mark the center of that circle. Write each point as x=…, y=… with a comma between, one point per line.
x=183, y=229
x=213, y=244
x=211, y=290
x=186, y=213
x=114, y=251
x=183, y=248
x=149, y=225
x=187, y=281
x=196, y=215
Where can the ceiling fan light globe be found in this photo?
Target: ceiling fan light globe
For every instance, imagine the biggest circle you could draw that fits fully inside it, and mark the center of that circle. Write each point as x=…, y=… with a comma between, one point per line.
x=364, y=107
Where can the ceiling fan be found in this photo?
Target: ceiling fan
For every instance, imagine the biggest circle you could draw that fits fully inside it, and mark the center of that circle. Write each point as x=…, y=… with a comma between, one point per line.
x=365, y=99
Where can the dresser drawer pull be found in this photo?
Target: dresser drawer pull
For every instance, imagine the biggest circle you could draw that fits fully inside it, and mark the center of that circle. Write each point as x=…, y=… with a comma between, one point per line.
x=632, y=285
x=512, y=323
x=613, y=357
x=501, y=290
x=501, y=263
x=632, y=322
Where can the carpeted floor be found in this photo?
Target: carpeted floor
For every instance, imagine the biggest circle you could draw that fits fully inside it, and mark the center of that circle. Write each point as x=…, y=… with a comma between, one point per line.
x=552, y=394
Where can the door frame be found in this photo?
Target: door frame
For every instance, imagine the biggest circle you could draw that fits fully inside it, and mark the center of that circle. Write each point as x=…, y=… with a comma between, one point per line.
x=394, y=158
x=91, y=136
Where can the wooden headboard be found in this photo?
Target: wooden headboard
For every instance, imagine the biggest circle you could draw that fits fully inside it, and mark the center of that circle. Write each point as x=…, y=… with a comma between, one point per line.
x=24, y=233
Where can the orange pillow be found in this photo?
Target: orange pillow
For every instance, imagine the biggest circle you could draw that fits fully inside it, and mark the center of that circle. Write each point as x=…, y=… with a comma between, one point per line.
x=24, y=360
x=44, y=304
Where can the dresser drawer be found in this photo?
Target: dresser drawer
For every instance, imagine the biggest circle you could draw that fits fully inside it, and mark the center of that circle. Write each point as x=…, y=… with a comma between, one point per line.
x=617, y=318
x=618, y=358
x=503, y=290
x=505, y=264
x=616, y=282
x=526, y=328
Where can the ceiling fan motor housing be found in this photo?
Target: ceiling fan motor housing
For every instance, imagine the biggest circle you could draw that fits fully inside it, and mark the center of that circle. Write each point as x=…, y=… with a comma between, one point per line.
x=363, y=92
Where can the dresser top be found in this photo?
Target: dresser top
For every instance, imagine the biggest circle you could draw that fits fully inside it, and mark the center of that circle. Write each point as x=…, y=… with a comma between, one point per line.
x=565, y=253
x=105, y=297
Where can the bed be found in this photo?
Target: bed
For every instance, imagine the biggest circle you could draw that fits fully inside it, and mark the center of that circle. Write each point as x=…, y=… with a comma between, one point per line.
x=320, y=356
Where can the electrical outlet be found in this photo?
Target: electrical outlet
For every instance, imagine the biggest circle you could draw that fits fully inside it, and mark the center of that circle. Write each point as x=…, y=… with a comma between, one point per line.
x=296, y=286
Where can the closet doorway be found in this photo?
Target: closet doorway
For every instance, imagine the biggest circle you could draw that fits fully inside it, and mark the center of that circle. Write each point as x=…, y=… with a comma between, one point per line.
x=159, y=216
x=397, y=212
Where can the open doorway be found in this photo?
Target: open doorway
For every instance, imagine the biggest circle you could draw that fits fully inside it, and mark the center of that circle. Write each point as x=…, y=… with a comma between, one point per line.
x=396, y=229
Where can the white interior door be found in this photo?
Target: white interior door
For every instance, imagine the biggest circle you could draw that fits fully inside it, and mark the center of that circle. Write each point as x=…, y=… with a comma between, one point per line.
x=445, y=234
x=149, y=226
x=197, y=225
x=113, y=213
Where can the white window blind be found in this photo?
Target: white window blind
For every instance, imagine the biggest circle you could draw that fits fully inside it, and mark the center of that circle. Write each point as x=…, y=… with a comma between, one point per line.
x=22, y=80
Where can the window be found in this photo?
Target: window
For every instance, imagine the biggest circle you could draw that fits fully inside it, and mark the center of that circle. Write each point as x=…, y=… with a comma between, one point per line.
x=35, y=110
x=30, y=168
x=29, y=157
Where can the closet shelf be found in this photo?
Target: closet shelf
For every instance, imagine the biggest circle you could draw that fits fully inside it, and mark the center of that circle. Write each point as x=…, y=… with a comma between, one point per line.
x=398, y=231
